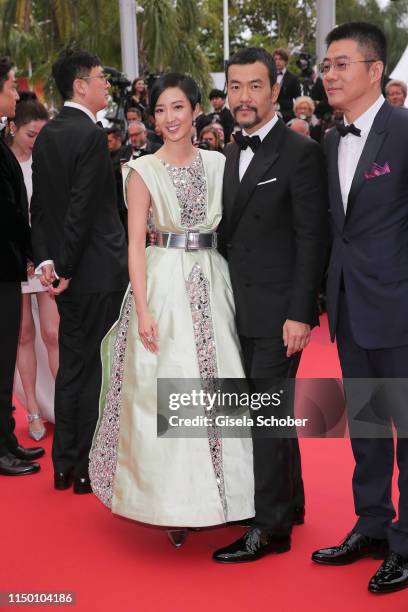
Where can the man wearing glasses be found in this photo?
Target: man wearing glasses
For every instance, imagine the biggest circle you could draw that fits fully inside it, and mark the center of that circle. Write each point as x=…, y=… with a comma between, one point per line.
x=367, y=287
x=79, y=246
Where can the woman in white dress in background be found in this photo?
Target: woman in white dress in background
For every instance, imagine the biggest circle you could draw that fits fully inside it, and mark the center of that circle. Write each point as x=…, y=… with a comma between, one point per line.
x=177, y=322
x=30, y=117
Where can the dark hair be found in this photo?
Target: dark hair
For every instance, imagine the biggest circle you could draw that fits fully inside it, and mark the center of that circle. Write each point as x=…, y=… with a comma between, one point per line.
x=184, y=82
x=5, y=67
x=25, y=95
x=283, y=53
x=250, y=55
x=133, y=109
x=72, y=64
x=29, y=110
x=115, y=131
x=217, y=93
x=368, y=36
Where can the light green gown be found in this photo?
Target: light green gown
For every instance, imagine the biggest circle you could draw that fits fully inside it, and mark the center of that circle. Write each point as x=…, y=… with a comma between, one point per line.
x=187, y=482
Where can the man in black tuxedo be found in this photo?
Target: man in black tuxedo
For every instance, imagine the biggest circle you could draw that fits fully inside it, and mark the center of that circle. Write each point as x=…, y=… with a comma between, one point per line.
x=367, y=285
x=15, y=251
x=289, y=84
x=274, y=235
x=221, y=114
x=79, y=240
x=139, y=141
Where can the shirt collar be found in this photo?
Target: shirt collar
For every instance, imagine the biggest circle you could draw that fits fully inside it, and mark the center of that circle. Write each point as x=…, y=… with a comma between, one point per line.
x=82, y=108
x=366, y=120
x=265, y=129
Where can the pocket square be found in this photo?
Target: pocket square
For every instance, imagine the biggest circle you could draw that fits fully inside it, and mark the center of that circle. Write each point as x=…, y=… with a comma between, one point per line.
x=268, y=181
x=377, y=170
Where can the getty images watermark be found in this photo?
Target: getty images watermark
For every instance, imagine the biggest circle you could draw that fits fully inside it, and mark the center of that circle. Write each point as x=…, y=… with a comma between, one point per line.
x=313, y=408
x=215, y=406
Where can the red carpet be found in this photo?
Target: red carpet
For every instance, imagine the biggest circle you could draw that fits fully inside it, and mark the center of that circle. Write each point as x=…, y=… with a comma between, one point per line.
x=56, y=541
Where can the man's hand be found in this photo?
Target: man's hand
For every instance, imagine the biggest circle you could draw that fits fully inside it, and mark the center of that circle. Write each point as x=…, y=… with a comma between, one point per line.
x=296, y=336
x=47, y=275
x=62, y=286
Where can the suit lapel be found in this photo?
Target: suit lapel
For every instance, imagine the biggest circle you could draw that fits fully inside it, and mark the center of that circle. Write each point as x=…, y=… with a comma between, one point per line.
x=231, y=179
x=370, y=152
x=336, y=200
x=264, y=158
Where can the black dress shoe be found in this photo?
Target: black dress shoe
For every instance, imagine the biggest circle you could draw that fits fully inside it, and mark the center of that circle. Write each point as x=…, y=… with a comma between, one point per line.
x=62, y=480
x=298, y=515
x=356, y=546
x=27, y=454
x=391, y=576
x=255, y=544
x=10, y=465
x=82, y=485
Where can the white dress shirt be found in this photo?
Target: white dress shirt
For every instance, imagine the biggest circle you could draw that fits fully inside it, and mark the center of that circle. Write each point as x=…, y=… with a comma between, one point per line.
x=247, y=154
x=351, y=147
x=280, y=76
x=84, y=109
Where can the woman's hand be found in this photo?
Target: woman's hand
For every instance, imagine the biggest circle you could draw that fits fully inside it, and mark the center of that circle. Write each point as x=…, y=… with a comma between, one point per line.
x=30, y=269
x=148, y=332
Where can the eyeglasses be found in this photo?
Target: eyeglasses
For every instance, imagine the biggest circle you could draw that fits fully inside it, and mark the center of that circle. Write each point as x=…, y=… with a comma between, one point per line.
x=341, y=65
x=103, y=77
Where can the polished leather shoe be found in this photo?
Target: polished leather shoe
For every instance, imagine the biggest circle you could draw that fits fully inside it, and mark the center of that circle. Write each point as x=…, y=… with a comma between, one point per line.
x=10, y=465
x=253, y=545
x=62, y=480
x=298, y=515
x=391, y=576
x=356, y=546
x=27, y=454
x=82, y=485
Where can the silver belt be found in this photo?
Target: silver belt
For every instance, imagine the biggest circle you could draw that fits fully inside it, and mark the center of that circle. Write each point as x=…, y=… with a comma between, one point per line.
x=189, y=241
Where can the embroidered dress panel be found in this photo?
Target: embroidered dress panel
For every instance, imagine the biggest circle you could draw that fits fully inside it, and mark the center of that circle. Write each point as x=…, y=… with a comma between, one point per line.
x=191, y=190
x=103, y=457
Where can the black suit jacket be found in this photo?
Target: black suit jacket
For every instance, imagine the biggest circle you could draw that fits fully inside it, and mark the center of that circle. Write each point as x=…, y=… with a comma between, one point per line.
x=15, y=243
x=274, y=231
x=74, y=213
x=289, y=90
x=370, y=241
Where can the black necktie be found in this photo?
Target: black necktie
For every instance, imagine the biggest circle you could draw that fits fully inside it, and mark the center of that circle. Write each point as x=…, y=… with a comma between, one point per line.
x=99, y=123
x=254, y=142
x=348, y=129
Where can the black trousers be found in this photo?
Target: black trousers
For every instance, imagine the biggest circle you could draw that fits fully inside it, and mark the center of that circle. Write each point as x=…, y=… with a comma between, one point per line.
x=277, y=464
x=84, y=321
x=374, y=457
x=10, y=310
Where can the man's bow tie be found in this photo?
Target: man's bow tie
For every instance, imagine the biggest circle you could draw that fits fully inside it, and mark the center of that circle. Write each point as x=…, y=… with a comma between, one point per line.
x=254, y=142
x=99, y=123
x=348, y=129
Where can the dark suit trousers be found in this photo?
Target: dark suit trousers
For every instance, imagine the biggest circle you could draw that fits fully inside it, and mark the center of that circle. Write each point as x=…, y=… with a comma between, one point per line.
x=84, y=321
x=10, y=308
x=374, y=457
x=277, y=464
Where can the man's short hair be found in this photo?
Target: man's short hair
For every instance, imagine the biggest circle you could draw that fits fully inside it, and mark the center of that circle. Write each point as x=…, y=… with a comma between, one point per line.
x=250, y=55
x=136, y=124
x=114, y=131
x=5, y=67
x=396, y=83
x=283, y=53
x=133, y=109
x=72, y=64
x=370, y=38
x=217, y=93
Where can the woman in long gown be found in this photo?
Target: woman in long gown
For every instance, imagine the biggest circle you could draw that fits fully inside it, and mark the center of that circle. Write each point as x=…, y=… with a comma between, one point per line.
x=176, y=322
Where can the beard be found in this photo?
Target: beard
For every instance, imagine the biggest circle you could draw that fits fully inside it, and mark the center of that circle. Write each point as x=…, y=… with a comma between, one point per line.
x=247, y=124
